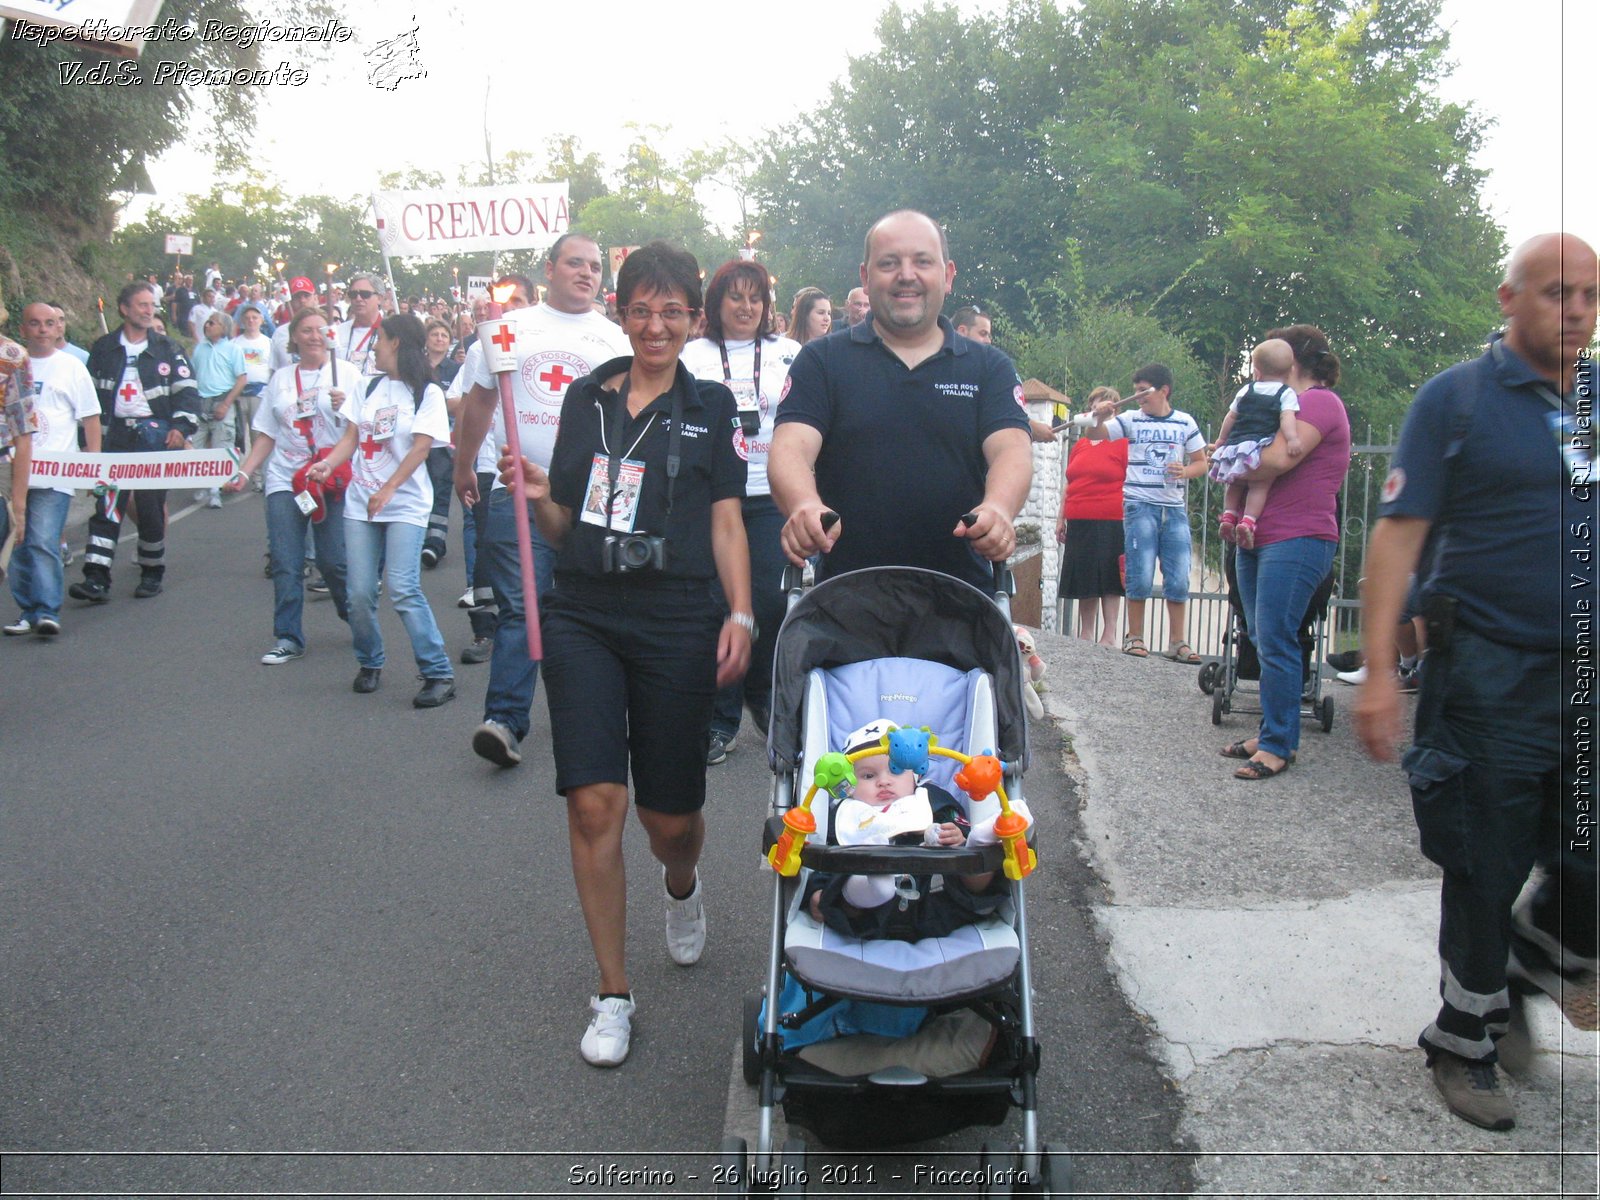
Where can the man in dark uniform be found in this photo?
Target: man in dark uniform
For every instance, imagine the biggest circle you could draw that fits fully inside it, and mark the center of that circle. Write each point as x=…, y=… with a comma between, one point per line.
x=148, y=399
x=1492, y=490
x=901, y=427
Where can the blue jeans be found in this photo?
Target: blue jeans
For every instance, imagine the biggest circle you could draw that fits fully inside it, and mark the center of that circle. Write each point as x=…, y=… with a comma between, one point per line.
x=763, y=524
x=512, y=676
x=367, y=543
x=286, y=544
x=1275, y=585
x=36, y=577
x=1149, y=530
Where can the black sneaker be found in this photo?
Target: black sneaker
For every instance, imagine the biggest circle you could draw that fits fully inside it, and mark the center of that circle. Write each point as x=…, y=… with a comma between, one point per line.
x=366, y=680
x=1408, y=680
x=481, y=650
x=434, y=693
x=1347, y=660
x=92, y=590
x=148, y=586
x=430, y=557
x=721, y=743
x=494, y=741
x=318, y=584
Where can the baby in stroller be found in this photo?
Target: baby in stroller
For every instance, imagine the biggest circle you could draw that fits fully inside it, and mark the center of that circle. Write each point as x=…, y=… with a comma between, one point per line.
x=891, y=806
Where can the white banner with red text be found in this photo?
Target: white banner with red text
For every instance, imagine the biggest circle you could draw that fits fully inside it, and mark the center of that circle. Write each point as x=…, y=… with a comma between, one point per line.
x=136, y=472
x=518, y=216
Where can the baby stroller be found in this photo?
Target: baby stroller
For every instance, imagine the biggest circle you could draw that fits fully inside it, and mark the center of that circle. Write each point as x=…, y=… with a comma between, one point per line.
x=1219, y=678
x=924, y=650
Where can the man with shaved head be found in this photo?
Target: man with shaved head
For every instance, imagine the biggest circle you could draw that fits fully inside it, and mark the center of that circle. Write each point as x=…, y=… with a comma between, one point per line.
x=901, y=427
x=1491, y=502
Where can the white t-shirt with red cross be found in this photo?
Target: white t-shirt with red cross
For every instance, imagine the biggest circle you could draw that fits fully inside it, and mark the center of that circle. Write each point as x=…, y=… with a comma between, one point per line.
x=63, y=395
x=357, y=345
x=703, y=358
x=387, y=421
x=296, y=413
x=554, y=349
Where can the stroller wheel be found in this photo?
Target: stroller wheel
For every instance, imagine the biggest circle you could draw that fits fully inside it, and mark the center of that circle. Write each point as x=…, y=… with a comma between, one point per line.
x=792, y=1168
x=1054, y=1176
x=1325, y=712
x=996, y=1172
x=1219, y=705
x=1208, y=677
x=728, y=1176
x=751, y=1057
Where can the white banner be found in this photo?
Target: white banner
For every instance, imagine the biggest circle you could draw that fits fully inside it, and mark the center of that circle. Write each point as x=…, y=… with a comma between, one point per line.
x=521, y=216
x=478, y=285
x=180, y=243
x=137, y=472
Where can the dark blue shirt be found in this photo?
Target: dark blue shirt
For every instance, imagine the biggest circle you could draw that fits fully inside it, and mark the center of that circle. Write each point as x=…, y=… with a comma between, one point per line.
x=1510, y=531
x=902, y=448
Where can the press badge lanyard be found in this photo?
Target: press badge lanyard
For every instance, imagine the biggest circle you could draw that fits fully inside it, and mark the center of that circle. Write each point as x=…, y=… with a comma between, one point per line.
x=614, y=461
x=749, y=416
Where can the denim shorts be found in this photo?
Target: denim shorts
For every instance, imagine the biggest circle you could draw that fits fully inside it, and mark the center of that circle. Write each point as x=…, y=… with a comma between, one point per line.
x=1152, y=530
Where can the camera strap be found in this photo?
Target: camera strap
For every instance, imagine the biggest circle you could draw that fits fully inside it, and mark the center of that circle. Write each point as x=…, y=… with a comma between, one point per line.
x=614, y=460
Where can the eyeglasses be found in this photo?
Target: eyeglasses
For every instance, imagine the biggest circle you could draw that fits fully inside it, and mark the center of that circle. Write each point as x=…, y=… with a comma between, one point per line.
x=362, y=294
x=672, y=314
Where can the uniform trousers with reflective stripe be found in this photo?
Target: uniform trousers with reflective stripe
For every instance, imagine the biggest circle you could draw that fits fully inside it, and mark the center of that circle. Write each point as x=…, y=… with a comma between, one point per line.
x=149, y=509
x=1492, y=787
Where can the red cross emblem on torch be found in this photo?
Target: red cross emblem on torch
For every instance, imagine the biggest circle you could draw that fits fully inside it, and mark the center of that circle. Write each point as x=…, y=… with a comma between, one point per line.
x=498, y=333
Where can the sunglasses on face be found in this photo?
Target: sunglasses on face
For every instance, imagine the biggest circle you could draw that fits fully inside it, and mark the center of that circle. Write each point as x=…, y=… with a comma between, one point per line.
x=362, y=294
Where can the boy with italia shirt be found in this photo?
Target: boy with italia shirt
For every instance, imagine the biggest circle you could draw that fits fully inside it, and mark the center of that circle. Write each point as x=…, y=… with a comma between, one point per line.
x=63, y=397
x=1165, y=450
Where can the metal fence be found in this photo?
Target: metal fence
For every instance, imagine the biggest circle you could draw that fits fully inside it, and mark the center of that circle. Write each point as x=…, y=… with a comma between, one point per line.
x=1207, y=617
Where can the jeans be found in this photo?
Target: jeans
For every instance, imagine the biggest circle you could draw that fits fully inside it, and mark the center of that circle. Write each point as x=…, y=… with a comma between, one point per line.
x=1275, y=585
x=367, y=544
x=286, y=543
x=512, y=676
x=763, y=524
x=475, y=524
x=1149, y=530
x=36, y=576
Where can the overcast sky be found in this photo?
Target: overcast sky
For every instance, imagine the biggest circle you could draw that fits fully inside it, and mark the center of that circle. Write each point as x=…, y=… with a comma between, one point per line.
x=734, y=68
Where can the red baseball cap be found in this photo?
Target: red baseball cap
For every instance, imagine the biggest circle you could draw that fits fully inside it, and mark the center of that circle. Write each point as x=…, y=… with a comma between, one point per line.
x=301, y=284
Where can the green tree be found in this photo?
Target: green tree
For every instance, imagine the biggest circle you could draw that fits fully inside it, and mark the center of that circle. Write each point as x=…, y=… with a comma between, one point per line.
x=1223, y=165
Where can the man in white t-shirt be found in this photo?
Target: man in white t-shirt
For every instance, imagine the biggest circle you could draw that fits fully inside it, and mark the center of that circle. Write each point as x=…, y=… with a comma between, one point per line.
x=201, y=311
x=356, y=340
x=557, y=343
x=1165, y=450
x=63, y=400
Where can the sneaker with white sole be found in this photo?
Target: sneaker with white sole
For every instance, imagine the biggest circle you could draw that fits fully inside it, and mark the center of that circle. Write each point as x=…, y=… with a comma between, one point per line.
x=1355, y=678
x=281, y=653
x=605, y=1042
x=686, y=923
x=465, y=599
x=720, y=745
x=47, y=627
x=21, y=627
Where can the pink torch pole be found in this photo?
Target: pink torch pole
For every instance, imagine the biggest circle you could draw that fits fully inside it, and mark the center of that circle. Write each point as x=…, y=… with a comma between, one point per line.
x=499, y=340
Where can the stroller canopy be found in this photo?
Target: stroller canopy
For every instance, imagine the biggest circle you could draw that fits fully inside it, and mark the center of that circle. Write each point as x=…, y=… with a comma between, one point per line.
x=895, y=612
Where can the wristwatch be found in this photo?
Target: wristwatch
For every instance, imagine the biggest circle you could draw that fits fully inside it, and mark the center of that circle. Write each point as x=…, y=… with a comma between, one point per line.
x=745, y=620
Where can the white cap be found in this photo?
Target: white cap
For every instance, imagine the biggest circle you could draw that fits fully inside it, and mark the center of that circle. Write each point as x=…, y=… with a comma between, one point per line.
x=870, y=734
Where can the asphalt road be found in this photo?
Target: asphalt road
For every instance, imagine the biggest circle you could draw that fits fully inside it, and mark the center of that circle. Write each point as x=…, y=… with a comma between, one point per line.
x=262, y=935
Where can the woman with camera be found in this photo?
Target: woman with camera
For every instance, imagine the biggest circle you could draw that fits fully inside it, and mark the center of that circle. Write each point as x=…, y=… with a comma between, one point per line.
x=643, y=501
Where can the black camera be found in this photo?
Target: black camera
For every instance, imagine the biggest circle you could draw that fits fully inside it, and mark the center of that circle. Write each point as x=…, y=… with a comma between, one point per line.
x=633, y=552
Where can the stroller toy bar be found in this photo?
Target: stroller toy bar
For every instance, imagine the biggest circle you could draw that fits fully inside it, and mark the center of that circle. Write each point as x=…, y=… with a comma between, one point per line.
x=909, y=749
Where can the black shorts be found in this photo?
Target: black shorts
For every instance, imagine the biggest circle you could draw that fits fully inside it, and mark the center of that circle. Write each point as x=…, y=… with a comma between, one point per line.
x=630, y=673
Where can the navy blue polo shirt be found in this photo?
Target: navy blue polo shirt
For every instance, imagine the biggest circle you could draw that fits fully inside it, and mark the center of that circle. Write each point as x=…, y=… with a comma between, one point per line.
x=710, y=470
x=902, y=448
x=1506, y=516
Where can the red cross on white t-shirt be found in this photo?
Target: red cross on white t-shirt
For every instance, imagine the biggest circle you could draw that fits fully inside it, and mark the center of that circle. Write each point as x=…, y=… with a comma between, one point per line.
x=556, y=377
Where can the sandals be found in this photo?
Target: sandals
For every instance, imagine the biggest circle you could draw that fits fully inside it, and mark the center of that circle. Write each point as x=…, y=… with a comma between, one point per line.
x=1225, y=526
x=1135, y=647
x=1182, y=652
x=1245, y=534
x=1255, y=770
x=1236, y=750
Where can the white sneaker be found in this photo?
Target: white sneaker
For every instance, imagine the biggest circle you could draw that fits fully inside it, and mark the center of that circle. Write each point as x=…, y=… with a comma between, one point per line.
x=465, y=599
x=21, y=627
x=686, y=924
x=605, y=1042
x=281, y=653
x=1357, y=677
x=214, y=499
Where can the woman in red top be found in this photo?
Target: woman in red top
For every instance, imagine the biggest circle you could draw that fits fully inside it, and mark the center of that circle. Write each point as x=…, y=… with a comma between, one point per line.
x=1090, y=530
